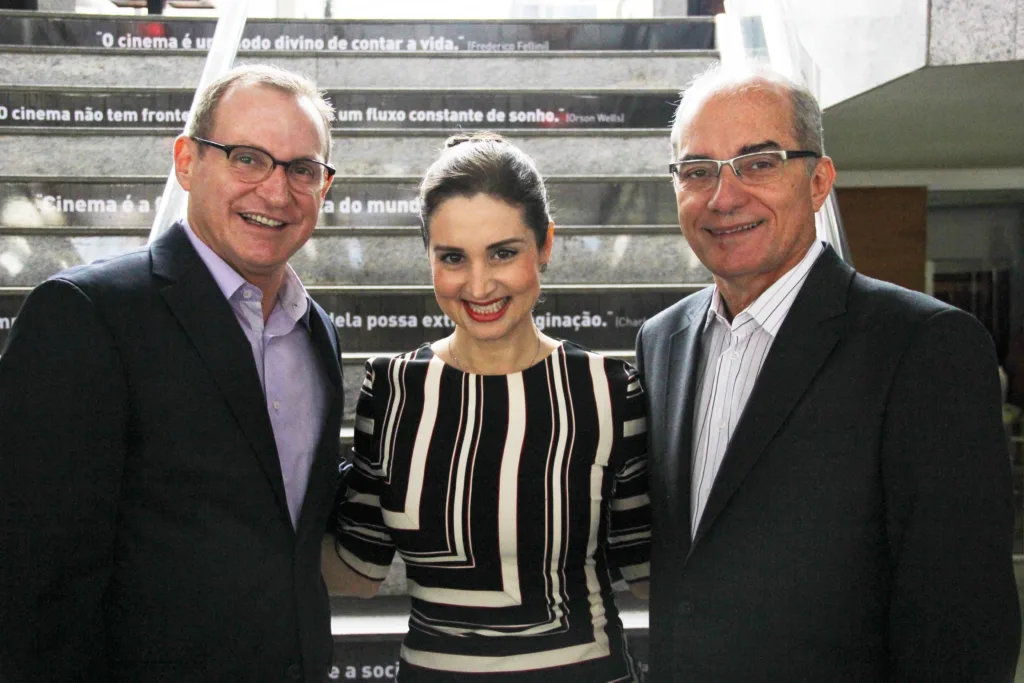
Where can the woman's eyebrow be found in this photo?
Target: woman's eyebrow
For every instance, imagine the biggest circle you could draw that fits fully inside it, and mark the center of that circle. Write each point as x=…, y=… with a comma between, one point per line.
x=505, y=243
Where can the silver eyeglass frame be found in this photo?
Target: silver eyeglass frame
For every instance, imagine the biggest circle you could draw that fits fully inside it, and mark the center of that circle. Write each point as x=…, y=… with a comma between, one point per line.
x=783, y=154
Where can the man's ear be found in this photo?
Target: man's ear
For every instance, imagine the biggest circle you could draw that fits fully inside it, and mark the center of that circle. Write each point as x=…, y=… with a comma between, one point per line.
x=823, y=177
x=323, y=192
x=185, y=154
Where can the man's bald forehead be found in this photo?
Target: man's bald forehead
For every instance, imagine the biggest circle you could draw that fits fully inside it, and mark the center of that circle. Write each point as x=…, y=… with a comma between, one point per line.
x=773, y=95
x=735, y=81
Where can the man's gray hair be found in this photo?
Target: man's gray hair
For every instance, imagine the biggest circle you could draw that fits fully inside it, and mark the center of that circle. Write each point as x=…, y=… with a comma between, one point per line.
x=806, y=114
x=201, y=122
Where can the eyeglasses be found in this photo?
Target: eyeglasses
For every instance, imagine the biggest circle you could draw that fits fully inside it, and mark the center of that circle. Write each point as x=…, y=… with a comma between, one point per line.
x=252, y=165
x=759, y=168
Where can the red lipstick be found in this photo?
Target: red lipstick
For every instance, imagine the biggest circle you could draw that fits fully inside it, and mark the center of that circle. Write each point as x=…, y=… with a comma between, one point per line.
x=486, y=317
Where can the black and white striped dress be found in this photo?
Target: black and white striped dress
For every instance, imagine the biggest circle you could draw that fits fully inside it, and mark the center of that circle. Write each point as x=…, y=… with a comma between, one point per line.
x=510, y=498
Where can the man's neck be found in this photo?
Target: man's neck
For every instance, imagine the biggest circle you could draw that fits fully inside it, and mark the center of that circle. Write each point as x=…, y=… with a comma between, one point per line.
x=737, y=296
x=739, y=293
x=271, y=287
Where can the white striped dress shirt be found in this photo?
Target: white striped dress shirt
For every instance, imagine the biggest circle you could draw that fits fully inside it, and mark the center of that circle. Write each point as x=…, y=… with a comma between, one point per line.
x=730, y=361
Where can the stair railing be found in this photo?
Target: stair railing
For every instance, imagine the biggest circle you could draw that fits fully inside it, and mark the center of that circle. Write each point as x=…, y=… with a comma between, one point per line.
x=219, y=60
x=756, y=30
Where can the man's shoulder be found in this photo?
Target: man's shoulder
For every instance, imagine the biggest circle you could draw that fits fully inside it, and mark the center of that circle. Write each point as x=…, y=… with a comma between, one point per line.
x=891, y=319
x=886, y=302
x=121, y=272
x=675, y=316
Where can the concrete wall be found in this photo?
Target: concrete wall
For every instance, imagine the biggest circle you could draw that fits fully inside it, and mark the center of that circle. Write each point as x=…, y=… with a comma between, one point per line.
x=974, y=31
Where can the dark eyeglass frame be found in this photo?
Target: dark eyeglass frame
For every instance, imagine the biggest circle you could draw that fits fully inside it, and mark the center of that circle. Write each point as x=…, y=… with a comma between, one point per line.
x=274, y=163
x=784, y=154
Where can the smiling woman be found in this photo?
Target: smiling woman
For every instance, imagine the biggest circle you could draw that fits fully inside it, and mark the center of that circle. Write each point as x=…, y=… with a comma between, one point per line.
x=488, y=231
x=516, y=579
x=486, y=272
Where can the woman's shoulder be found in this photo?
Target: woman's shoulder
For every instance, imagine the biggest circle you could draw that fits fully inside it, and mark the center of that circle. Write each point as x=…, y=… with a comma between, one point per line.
x=617, y=370
x=420, y=356
x=576, y=351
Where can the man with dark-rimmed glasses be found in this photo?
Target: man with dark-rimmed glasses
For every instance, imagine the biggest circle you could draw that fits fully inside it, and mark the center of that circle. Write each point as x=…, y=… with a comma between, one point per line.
x=829, y=485
x=169, y=424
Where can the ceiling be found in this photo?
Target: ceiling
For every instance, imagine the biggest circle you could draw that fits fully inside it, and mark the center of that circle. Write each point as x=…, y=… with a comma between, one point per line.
x=946, y=117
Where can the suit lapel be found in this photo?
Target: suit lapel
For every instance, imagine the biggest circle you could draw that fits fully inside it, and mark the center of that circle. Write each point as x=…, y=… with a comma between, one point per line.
x=325, y=344
x=323, y=470
x=684, y=357
x=195, y=300
x=804, y=342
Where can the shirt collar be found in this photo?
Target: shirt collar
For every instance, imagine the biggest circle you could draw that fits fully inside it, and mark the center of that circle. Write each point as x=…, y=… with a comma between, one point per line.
x=292, y=298
x=769, y=310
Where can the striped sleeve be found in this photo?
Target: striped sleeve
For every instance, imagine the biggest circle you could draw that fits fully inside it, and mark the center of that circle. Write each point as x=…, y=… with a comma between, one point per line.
x=363, y=540
x=629, y=511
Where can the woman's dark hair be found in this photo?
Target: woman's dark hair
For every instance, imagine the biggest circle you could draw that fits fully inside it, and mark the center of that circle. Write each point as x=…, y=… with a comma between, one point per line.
x=485, y=163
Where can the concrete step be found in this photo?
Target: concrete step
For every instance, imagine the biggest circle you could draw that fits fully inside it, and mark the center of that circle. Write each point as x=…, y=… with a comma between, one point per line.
x=385, y=321
x=399, y=259
x=359, y=35
x=105, y=204
x=612, y=314
x=128, y=152
x=392, y=108
x=160, y=68
x=388, y=615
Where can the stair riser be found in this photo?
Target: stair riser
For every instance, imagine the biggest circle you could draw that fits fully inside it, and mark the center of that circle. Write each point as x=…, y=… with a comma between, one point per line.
x=350, y=203
x=113, y=154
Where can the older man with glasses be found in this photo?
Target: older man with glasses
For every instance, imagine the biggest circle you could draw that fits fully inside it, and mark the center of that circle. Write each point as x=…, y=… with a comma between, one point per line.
x=169, y=424
x=829, y=483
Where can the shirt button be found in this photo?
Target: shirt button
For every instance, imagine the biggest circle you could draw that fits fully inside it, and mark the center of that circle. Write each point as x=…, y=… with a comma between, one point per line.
x=685, y=608
x=277, y=405
x=246, y=294
x=294, y=672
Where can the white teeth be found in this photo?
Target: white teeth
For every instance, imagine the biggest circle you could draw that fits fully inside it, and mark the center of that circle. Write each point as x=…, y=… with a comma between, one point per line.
x=262, y=220
x=488, y=309
x=732, y=231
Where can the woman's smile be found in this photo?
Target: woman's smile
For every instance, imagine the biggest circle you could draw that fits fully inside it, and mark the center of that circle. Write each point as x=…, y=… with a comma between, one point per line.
x=487, y=312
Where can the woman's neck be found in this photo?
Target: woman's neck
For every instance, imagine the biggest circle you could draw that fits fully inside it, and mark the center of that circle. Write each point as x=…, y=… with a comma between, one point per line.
x=497, y=357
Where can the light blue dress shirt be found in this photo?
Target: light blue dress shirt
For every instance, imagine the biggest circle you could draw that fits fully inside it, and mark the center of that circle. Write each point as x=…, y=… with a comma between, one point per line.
x=294, y=383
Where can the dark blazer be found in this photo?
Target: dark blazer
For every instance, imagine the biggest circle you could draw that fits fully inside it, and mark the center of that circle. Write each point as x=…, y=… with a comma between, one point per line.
x=860, y=526
x=144, y=531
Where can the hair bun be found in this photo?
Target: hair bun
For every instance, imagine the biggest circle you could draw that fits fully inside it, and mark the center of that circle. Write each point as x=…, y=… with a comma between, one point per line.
x=478, y=136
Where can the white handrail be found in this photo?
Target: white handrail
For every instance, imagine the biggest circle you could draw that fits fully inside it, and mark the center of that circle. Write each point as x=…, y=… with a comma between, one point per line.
x=223, y=49
x=757, y=31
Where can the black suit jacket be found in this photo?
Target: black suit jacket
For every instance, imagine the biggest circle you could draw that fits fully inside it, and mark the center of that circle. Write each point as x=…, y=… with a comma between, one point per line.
x=144, y=530
x=860, y=526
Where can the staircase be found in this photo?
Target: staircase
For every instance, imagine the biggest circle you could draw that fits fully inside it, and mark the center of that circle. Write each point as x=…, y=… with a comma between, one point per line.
x=89, y=107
